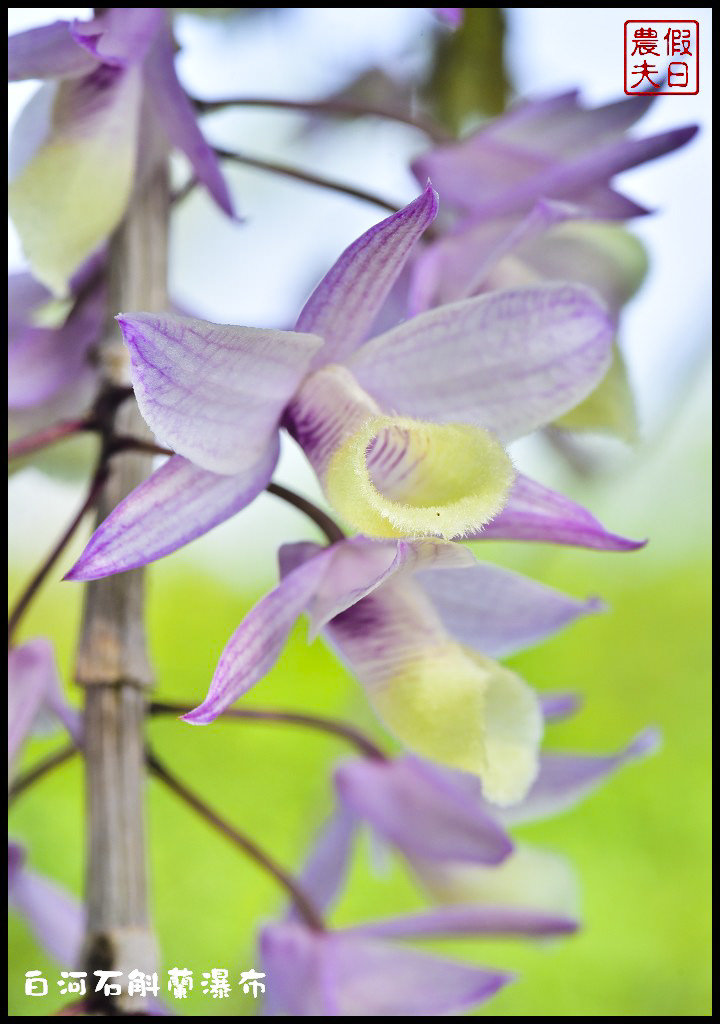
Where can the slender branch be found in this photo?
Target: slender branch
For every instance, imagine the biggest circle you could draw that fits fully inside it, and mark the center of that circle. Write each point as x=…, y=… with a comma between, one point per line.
x=49, y=435
x=338, y=107
x=28, y=778
x=36, y=582
x=307, y=177
x=330, y=725
x=328, y=525
x=248, y=845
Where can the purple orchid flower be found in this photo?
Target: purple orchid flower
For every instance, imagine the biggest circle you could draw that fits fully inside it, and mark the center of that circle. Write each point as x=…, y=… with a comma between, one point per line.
x=390, y=608
x=103, y=78
x=361, y=970
x=491, y=367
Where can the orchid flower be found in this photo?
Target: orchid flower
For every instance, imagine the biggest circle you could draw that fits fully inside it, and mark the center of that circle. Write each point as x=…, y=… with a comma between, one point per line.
x=479, y=372
x=390, y=609
x=532, y=201
x=361, y=970
x=56, y=918
x=104, y=78
x=50, y=374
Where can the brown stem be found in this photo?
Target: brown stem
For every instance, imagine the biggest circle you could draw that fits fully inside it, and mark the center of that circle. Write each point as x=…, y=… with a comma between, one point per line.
x=28, y=778
x=330, y=725
x=47, y=436
x=301, y=901
x=307, y=177
x=36, y=582
x=338, y=107
x=328, y=525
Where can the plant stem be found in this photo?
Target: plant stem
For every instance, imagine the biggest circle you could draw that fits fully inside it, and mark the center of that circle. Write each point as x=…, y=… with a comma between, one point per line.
x=47, y=436
x=36, y=582
x=306, y=176
x=112, y=662
x=337, y=107
x=28, y=778
x=328, y=525
x=302, y=903
x=333, y=726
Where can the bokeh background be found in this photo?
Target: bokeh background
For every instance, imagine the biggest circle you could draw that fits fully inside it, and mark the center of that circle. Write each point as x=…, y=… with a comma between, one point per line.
x=640, y=846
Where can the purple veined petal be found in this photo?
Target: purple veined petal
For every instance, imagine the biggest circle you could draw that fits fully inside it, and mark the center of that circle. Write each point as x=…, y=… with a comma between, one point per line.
x=508, y=361
x=342, y=974
x=447, y=922
x=120, y=36
x=416, y=807
x=557, y=706
x=345, y=303
x=178, y=503
x=255, y=645
x=43, y=361
x=56, y=918
x=326, y=867
x=498, y=611
x=566, y=779
x=534, y=512
x=47, y=52
x=179, y=121
x=360, y=565
x=214, y=393
x=456, y=265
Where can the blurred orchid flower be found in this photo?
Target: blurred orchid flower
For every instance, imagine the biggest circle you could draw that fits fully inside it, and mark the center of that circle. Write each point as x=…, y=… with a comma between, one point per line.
x=480, y=372
x=33, y=689
x=56, y=918
x=388, y=608
x=531, y=199
x=104, y=79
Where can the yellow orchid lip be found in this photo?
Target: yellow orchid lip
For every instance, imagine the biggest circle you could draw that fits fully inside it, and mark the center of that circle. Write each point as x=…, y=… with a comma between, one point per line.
x=400, y=477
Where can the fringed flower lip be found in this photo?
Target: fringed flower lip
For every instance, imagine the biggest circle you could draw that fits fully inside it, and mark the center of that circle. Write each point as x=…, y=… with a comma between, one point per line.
x=388, y=424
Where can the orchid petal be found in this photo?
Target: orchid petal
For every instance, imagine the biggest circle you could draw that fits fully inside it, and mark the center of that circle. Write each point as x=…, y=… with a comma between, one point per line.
x=359, y=565
x=323, y=874
x=43, y=361
x=530, y=879
x=509, y=361
x=492, y=177
x=56, y=917
x=34, y=685
x=213, y=393
x=556, y=706
x=345, y=303
x=454, y=921
x=179, y=121
x=343, y=974
x=178, y=503
x=68, y=197
x=566, y=779
x=534, y=512
x=256, y=643
x=47, y=52
x=451, y=706
x=395, y=476
x=120, y=36
x=610, y=408
x=498, y=611
x=417, y=809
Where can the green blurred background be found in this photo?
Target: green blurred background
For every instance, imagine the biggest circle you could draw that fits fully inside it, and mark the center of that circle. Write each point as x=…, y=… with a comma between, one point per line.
x=640, y=845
